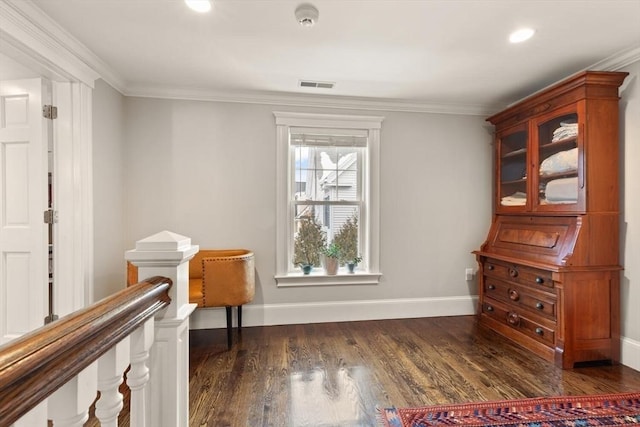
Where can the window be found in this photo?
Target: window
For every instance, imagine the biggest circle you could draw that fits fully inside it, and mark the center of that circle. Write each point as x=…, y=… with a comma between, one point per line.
x=327, y=177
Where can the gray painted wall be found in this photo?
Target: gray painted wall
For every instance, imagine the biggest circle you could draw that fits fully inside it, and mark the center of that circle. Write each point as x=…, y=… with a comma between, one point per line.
x=109, y=189
x=207, y=170
x=630, y=205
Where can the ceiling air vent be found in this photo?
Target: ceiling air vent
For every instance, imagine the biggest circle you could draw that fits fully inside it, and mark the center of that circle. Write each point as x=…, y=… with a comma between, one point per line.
x=319, y=85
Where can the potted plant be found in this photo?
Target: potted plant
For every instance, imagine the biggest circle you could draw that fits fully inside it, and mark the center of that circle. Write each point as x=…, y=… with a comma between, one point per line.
x=351, y=265
x=308, y=243
x=347, y=239
x=332, y=254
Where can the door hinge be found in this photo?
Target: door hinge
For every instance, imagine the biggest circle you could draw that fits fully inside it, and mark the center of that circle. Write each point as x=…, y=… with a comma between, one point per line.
x=50, y=216
x=50, y=112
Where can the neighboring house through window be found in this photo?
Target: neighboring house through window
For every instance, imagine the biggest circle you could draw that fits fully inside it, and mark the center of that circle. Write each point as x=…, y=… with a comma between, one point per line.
x=328, y=176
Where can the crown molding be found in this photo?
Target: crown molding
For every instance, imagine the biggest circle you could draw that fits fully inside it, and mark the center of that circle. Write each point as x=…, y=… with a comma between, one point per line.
x=304, y=100
x=614, y=62
x=25, y=28
x=619, y=60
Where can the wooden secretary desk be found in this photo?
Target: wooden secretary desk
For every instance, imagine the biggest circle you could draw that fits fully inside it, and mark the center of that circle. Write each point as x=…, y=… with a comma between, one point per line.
x=549, y=270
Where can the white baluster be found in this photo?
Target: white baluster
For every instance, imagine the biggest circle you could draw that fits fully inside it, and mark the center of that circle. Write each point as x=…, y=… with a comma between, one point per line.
x=138, y=375
x=111, y=368
x=69, y=405
x=35, y=417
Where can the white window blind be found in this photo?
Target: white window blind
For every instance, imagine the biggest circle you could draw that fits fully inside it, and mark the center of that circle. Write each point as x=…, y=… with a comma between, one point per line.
x=329, y=137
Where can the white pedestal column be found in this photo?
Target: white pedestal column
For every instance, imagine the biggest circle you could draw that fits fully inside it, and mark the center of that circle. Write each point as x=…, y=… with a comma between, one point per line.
x=69, y=405
x=111, y=367
x=167, y=254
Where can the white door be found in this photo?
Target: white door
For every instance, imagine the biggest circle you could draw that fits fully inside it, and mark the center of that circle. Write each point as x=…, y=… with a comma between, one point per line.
x=23, y=199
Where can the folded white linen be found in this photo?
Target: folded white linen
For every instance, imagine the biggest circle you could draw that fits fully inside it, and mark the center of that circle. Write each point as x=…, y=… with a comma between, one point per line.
x=563, y=190
x=563, y=161
x=516, y=199
x=566, y=130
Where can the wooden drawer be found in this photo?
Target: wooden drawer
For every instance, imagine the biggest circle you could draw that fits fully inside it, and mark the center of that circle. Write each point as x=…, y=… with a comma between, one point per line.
x=518, y=273
x=530, y=325
x=543, y=303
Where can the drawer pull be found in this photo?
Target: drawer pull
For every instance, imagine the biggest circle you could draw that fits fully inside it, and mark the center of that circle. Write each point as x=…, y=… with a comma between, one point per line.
x=513, y=272
x=539, y=305
x=513, y=319
x=491, y=287
x=490, y=267
x=489, y=308
x=514, y=295
x=539, y=280
x=539, y=331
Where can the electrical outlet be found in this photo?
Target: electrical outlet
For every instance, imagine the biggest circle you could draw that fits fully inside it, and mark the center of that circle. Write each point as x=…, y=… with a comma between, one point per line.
x=468, y=274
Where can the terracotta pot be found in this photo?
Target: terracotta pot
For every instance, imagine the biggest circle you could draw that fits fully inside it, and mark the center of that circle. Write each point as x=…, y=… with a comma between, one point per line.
x=331, y=265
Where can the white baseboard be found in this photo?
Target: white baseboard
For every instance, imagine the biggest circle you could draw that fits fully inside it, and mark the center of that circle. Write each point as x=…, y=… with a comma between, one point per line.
x=630, y=353
x=338, y=311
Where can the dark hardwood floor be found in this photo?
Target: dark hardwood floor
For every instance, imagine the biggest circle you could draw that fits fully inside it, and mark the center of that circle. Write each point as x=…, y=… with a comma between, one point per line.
x=336, y=374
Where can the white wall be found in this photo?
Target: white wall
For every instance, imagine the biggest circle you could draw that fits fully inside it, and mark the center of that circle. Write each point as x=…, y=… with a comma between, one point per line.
x=12, y=69
x=630, y=222
x=207, y=170
x=108, y=190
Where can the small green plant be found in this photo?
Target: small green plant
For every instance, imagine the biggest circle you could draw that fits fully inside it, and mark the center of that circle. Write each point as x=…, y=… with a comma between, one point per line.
x=308, y=243
x=333, y=250
x=347, y=239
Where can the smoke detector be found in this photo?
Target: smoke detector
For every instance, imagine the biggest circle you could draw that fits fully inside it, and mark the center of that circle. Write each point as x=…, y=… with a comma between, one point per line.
x=307, y=15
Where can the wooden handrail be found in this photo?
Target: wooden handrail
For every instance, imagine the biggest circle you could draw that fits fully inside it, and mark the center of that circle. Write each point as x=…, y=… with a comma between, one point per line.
x=36, y=364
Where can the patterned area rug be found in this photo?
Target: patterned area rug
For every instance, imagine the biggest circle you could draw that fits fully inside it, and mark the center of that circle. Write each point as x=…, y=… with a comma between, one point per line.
x=573, y=411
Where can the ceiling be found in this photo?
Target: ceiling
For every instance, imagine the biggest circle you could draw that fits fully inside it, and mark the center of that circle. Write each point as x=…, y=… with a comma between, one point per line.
x=447, y=53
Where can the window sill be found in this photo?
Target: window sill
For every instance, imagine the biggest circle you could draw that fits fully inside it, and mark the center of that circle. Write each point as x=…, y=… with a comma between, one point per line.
x=321, y=279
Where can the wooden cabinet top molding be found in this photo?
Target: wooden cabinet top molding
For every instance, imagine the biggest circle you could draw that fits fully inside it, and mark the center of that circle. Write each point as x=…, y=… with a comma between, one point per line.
x=587, y=84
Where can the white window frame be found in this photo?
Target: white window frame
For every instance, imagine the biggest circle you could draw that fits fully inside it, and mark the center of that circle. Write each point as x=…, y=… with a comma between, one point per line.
x=285, y=277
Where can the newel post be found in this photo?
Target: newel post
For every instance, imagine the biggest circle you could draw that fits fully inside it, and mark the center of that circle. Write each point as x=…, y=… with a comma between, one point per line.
x=167, y=254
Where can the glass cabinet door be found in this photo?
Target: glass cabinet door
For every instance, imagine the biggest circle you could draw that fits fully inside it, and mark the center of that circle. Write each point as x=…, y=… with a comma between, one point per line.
x=558, y=166
x=512, y=170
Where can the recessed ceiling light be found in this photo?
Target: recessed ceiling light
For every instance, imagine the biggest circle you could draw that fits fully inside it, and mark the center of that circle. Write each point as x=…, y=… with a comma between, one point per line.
x=200, y=6
x=521, y=35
